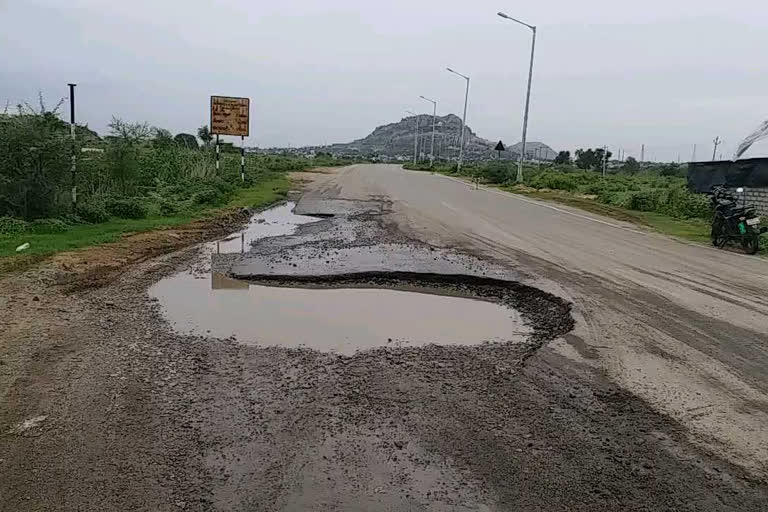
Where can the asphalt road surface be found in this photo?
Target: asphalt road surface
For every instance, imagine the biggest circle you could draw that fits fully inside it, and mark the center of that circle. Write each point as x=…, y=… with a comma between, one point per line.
x=647, y=393
x=682, y=326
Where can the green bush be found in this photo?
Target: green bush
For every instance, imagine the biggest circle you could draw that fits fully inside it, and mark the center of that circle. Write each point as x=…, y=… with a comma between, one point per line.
x=643, y=201
x=208, y=196
x=72, y=219
x=554, y=181
x=10, y=226
x=169, y=207
x=94, y=212
x=130, y=208
x=698, y=206
x=45, y=226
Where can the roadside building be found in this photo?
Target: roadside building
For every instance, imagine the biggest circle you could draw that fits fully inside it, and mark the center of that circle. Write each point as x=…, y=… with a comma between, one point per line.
x=750, y=174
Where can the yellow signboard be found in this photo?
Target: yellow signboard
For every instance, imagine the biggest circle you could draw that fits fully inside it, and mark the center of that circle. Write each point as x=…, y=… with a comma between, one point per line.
x=229, y=116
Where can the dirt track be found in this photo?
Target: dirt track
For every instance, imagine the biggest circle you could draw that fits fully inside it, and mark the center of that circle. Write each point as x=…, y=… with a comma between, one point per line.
x=129, y=415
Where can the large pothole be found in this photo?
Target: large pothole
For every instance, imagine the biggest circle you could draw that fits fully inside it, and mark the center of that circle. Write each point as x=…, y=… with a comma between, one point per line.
x=346, y=285
x=341, y=320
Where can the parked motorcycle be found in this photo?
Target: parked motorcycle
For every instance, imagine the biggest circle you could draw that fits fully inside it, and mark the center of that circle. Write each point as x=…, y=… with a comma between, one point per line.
x=734, y=223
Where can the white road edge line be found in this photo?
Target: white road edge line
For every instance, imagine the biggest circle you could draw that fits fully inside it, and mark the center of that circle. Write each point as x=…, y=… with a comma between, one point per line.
x=544, y=205
x=599, y=221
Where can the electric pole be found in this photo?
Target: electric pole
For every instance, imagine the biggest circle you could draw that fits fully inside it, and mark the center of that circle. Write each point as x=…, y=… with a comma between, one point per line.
x=693, y=158
x=74, y=149
x=642, y=153
x=415, y=135
x=717, y=142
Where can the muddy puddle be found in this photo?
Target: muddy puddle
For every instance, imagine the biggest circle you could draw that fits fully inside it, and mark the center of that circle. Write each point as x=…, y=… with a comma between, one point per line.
x=344, y=319
x=337, y=320
x=276, y=221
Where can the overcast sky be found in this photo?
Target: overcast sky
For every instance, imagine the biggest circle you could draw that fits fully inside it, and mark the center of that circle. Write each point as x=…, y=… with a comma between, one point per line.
x=667, y=73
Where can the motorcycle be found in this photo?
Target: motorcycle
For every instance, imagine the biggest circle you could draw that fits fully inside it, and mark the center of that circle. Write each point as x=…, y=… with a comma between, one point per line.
x=734, y=223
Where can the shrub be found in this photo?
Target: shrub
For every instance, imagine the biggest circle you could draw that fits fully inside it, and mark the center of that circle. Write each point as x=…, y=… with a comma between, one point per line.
x=72, y=219
x=224, y=187
x=494, y=172
x=208, y=196
x=45, y=226
x=94, y=212
x=644, y=201
x=10, y=226
x=698, y=206
x=169, y=207
x=130, y=208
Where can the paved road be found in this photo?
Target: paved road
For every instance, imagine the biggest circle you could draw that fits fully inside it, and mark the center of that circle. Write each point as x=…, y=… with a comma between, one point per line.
x=656, y=401
x=682, y=326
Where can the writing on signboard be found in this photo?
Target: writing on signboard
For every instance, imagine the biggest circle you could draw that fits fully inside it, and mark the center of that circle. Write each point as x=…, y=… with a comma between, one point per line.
x=229, y=115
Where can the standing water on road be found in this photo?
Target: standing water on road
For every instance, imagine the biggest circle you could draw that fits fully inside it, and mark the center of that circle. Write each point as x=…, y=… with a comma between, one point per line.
x=338, y=320
x=276, y=221
x=341, y=320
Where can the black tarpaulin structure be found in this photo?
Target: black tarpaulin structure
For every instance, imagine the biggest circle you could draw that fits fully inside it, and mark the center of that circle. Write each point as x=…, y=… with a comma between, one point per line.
x=751, y=172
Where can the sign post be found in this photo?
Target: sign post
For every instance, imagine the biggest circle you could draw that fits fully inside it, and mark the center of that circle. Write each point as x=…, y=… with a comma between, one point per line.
x=231, y=116
x=499, y=147
x=217, y=153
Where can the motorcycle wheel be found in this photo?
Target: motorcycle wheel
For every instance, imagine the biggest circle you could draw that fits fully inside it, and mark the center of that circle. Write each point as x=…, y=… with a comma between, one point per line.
x=751, y=243
x=716, y=235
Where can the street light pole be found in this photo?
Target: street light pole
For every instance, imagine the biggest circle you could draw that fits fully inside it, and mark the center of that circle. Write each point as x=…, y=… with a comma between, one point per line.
x=463, y=119
x=415, y=135
x=528, y=93
x=434, y=120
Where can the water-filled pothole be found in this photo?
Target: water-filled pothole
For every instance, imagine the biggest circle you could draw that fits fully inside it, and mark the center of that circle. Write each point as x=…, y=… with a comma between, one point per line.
x=276, y=221
x=341, y=320
x=428, y=296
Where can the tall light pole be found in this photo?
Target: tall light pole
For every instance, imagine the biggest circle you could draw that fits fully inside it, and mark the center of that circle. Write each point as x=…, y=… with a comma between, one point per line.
x=528, y=94
x=463, y=119
x=415, y=135
x=434, y=119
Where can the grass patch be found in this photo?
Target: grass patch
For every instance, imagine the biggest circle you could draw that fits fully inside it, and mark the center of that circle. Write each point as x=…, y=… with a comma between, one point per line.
x=41, y=245
x=265, y=193
x=689, y=229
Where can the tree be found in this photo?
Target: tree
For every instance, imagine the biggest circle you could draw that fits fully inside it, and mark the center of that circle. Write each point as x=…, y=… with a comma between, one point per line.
x=591, y=158
x=563, y=158
x=631, y=165
x=205, y=134
x=161, y=138
x=600, y=154
x=35, y=151
x=123, y=151
x=585, y=159
x=186, y=140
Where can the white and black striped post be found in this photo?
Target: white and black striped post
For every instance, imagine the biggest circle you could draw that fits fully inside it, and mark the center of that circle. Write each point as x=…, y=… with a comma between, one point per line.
x=217, y=153
x=242, y=158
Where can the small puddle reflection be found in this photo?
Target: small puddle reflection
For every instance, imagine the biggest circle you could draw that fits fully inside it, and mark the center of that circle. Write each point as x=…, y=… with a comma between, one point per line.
x=276, y=221
x=337, y=320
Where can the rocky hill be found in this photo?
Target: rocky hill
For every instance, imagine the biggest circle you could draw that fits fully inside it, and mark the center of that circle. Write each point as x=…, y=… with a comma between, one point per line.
x=396, y=141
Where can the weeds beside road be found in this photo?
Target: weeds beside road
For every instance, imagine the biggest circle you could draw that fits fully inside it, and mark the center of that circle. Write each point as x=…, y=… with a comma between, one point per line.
x=85, y=234
x=133, y=180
